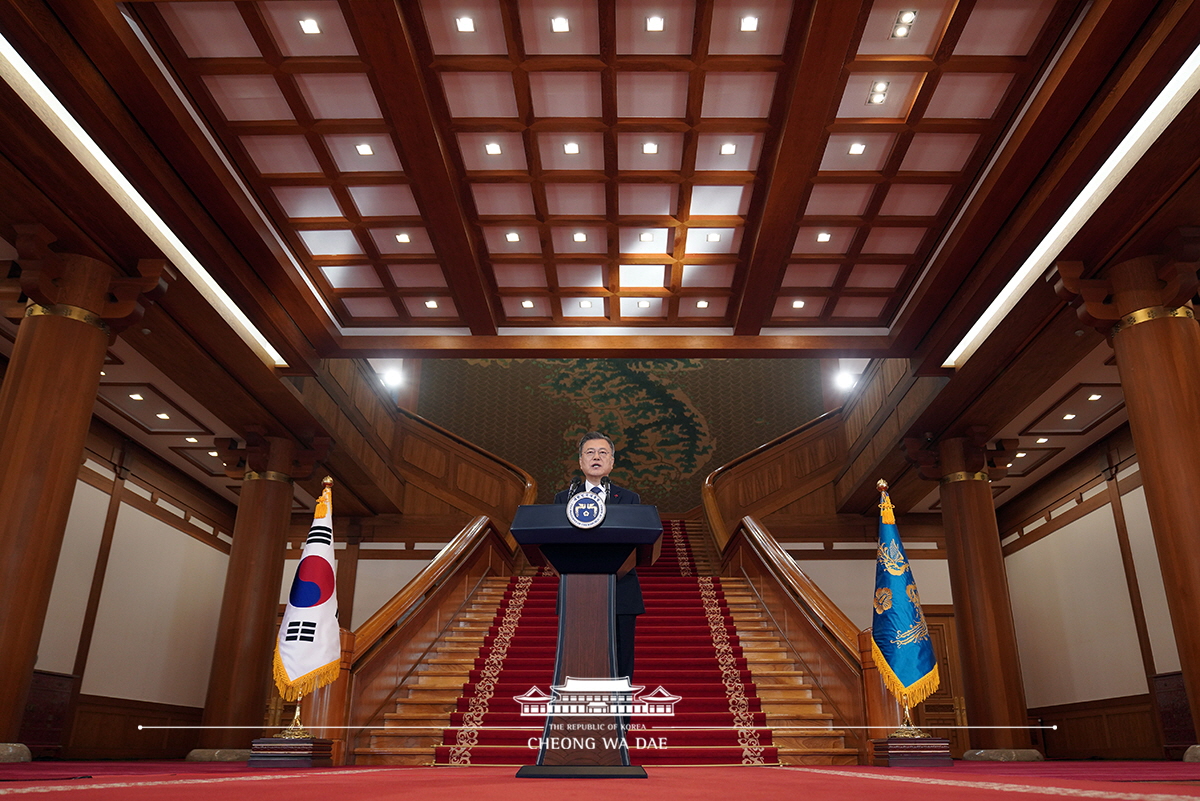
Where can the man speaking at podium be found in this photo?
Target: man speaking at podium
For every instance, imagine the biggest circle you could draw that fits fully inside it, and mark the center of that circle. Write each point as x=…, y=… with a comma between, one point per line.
x=596, y=458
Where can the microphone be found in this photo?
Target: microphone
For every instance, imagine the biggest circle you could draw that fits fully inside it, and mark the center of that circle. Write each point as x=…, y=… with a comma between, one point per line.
x=576, y=486
x=604, y=484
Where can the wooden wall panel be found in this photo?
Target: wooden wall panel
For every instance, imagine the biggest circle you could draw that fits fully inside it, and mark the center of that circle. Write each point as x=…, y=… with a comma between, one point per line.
x=107, y=728
x=1112, y=728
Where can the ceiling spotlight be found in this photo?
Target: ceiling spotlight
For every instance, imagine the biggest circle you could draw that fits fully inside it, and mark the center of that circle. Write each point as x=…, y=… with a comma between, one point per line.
x=559, y=25
x=212, y=453
x=1068, y=417
x=492, y=148
x=571, y=148
x=857, y=149
x=585, y=304
x=1020, y=454
x=580, y=236
x=646, y=236
x=824, y=236
x=643, y=304
x=190, y=439
x=878, y=93
x=702, y=304
x=906, y=17
x=1042, y=440
x=1094, y=397
x=513, y=236
x=431, y=304
x=797, y=304
x=163, y=416
x=728, y=149
x=713, y=237
x=310, y=26
x=103, y=373
x=654, y=23
x=364, y=150
x=749, y=24
x=136, y=396
x=900, y=32
x=650, y=148
x=844, y=380
x=903, y=26
x=403, y=238
x=393, y=378
x=465, y=25
x=527, y=304
x=880, y=86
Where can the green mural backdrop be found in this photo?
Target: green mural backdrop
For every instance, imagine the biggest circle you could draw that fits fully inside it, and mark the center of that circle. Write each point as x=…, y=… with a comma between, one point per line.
x=673, y=420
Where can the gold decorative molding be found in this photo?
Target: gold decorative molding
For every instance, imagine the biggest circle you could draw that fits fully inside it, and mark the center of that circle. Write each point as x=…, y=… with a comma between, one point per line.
x=68, y=311
x=963, y=475
x=1151, y=313
x=267, y=475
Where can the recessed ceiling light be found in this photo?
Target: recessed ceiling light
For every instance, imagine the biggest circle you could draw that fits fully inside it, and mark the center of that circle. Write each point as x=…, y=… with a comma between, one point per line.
x=900, y=32
x=1068, y=417
x=393, y=378
x=403, y=238
x=878, y=93
x=880, y=86
x=431, y=304
x=877, y=98
x=713, y=237
x=103, y=373
x=527, y=304
x=492, y=148
x=212, y=453
x=728, y=149
x=646, y=236
x=1042, y=440
x=906, y=17
x=163, y=416
x=844, y=380
x=654, y=23
x=364, y=150
x=857, y=149
x=310, y=26
x=1094, y=397
x=571, y=148
x=643, y=304
x=749, y=24
x=190, y=439
x=1008, y=465
x=585, y=304
x=513, y=236
x=136, y=396
x=560, y=25
x=650, y=148
x=1021, y=454
x=465, y=25
x=702, y=304
x=580, y=236
x=824, y=236
x=797, y=304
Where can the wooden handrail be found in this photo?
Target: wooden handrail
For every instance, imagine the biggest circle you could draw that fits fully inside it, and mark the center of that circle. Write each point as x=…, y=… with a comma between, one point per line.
x=392, y=612
x=801, y=587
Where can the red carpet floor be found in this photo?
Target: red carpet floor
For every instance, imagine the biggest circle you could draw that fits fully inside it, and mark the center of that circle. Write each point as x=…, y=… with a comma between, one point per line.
x=964, y=782
x=686, y=643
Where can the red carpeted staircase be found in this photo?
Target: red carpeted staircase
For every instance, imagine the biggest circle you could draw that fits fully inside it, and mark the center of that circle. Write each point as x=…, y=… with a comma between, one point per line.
x=688, y=643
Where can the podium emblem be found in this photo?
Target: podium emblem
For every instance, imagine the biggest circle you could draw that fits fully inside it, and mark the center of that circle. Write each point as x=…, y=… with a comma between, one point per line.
x=585, y=510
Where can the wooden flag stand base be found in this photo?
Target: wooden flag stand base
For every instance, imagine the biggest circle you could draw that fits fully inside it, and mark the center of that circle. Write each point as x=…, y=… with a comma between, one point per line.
x=287, y=752
x=911, y=752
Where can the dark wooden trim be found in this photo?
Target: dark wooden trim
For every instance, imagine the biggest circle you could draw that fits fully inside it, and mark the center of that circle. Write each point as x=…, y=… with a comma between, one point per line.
x=107, y=728
x=1109, y=728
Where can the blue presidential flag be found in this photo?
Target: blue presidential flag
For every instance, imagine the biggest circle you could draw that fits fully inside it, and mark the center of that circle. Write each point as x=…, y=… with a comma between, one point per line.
x=308, y=653
x=899, y=634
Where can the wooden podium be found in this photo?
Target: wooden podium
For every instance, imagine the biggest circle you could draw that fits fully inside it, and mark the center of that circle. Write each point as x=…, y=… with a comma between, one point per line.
x=589, y=744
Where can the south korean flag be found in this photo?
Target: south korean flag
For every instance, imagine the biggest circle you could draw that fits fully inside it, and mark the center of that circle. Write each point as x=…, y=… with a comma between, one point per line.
x=309, y=651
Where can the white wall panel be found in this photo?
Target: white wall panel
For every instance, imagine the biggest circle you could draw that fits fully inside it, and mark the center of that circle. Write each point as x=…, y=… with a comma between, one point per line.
x=1074, y=623
x=157, y=620
x=377, y=581
x=73, y=580
x=1150, y=582
x=850, y=583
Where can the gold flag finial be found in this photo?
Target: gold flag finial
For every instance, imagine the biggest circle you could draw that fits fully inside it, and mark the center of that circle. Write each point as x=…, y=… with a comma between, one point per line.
x=327, y=481
x=881, y=485
x=886, y=508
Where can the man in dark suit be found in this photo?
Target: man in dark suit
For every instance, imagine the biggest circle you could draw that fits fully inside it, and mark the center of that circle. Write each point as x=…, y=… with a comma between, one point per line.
x=596, y=458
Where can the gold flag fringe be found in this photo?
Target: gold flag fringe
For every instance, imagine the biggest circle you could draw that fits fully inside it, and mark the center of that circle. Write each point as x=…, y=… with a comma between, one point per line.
x=294, y=689
x=887, y=510
x=914, y=693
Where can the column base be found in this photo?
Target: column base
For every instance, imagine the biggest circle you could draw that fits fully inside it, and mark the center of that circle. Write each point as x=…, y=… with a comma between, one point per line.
x=1192, y=754
x=15, y=752
x=1004, y=755
x=218, y=755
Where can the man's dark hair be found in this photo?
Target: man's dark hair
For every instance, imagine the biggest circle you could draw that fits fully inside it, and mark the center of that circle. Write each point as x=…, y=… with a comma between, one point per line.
x=596, y=435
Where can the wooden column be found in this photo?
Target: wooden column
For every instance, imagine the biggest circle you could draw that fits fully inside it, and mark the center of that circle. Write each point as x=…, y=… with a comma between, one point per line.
x=1157, y=343
x=243, y=655
x=993, y=687
x=45, y=409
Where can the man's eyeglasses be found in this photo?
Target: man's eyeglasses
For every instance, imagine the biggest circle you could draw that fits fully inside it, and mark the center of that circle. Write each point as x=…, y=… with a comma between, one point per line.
x=592, y=453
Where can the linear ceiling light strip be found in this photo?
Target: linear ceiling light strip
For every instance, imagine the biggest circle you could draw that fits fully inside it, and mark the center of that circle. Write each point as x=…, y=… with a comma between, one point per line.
x=1161, y=113
x=31, y=89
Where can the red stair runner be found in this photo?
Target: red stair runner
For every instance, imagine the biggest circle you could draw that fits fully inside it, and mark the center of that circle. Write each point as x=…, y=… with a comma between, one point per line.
x=686, y=643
